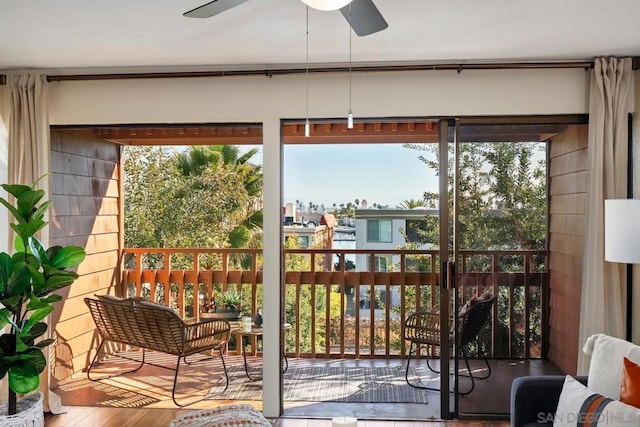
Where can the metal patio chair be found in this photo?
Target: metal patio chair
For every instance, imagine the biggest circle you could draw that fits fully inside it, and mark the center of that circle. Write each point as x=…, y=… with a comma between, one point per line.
x=423, y=329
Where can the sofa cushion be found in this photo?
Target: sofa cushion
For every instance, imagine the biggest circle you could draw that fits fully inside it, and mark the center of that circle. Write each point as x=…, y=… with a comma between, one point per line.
x=579, y=406
x=605, y=368
x=630, y=383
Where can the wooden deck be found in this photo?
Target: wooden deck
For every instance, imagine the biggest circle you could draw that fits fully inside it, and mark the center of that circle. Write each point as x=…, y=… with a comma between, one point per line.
x=144, y=398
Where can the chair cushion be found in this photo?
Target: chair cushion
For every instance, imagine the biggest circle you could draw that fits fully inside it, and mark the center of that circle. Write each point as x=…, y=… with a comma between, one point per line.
x=158, y=306
x=115, y=299
x=605, y=368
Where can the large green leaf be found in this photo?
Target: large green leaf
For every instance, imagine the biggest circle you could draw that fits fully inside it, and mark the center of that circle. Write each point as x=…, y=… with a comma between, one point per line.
x=35, y=302
x=37, y=249
x=6, y=268
x=16, y=190
x=19, y=282
x=28, y=229
x=45, y=343
x=66, y=257
x=27, y=201
x=24, y=376
x=14, y=212
x=6, y=318
x=13, y=303
x=56, y=282
x=39, y=213
x=19, y=245
x=37, y=278
x=36, y=317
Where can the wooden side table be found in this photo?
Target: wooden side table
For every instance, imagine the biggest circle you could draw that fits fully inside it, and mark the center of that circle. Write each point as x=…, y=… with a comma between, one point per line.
x=257, y=332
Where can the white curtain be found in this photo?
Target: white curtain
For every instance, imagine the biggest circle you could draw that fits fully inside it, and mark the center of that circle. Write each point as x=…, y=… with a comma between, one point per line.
x=603, y=301
x=29, y=154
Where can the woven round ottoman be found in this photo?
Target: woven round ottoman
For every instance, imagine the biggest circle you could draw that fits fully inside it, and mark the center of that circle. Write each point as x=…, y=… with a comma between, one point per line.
x=223, y=416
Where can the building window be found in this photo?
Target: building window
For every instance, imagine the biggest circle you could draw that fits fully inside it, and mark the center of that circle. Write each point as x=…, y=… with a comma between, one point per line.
x=379, y=230
x=382, y=263
x=415, y=228
x=303, y=242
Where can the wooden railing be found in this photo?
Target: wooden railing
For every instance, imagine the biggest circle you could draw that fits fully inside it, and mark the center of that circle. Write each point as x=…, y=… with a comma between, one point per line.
x=339, y=313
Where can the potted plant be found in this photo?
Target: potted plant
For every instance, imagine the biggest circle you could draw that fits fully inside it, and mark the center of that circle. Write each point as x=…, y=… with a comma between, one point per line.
x=226, y=306
x=230, y=300
x=28, y=279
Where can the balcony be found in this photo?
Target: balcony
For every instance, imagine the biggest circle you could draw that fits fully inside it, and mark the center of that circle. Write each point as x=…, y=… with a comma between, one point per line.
x=351, y=314
x=341, y=320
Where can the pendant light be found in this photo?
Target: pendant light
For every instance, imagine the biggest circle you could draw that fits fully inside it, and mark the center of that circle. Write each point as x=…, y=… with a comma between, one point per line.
x=350, y=113
x=307, y=126
x=327, y=4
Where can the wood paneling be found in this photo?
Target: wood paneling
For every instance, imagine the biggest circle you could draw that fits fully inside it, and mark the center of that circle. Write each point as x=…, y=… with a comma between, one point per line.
x=567, y=190
x=85, y=193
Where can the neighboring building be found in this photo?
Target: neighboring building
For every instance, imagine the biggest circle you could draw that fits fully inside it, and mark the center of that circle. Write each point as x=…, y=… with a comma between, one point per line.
x=382, y=229
x=311, y=236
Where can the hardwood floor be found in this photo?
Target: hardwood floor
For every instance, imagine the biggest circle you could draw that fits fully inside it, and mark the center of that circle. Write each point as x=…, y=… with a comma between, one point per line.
x=141, y=399
x=83, y=416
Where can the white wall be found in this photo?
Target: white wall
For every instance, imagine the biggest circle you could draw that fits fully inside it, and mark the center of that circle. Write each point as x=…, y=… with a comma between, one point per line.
x=259, y=98
x=267, y=100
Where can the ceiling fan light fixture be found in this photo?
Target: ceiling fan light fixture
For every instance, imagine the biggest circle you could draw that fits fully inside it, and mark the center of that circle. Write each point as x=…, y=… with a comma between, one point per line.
x=327, y=4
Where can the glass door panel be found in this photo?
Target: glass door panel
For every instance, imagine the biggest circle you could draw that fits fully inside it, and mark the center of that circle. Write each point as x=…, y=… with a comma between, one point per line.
x=500, y=200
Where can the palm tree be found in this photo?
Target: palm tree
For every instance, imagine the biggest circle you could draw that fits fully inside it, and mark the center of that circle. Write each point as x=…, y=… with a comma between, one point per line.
x=194, y=161
x=412, y=203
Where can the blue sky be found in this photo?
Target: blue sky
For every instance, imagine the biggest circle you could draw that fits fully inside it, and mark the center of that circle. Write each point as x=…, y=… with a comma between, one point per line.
x=385, y=174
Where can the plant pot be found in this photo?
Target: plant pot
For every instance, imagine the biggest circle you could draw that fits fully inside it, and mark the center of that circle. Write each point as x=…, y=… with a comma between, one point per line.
x=30, y=413
x=221, y=314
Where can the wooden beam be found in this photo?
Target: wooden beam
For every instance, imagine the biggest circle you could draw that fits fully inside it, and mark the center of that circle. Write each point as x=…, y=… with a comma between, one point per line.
x=363, y=132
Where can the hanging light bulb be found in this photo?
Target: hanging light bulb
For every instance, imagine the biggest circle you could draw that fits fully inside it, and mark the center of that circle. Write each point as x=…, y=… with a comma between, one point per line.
x=327, y=4
x=307, y=126
x=350, y=114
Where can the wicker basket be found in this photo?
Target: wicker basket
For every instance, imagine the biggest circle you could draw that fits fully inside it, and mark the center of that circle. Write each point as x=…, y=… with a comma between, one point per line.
x=30, y=413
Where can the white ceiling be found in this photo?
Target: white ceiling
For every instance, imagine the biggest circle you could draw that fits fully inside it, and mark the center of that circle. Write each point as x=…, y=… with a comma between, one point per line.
x=81, y=34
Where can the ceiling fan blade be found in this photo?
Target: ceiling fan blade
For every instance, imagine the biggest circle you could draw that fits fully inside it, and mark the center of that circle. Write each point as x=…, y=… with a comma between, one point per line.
x=213, y=8
x=365, y=17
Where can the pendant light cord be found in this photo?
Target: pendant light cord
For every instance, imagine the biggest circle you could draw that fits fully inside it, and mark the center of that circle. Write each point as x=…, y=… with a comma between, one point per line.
x=307, y=62
x=350, y=31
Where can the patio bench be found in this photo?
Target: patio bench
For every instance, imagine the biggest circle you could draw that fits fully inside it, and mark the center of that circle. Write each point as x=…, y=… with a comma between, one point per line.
x=151, y=326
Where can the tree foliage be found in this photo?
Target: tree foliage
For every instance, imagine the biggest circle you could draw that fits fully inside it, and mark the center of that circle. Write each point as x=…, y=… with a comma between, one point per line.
x=204, y=197
x=501, y=195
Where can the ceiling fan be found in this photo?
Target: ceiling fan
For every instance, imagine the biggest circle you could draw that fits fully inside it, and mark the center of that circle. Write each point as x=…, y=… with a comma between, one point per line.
x=365, y=17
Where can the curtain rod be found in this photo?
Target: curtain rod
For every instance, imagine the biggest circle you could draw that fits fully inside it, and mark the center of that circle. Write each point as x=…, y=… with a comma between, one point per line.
x=302, y=70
